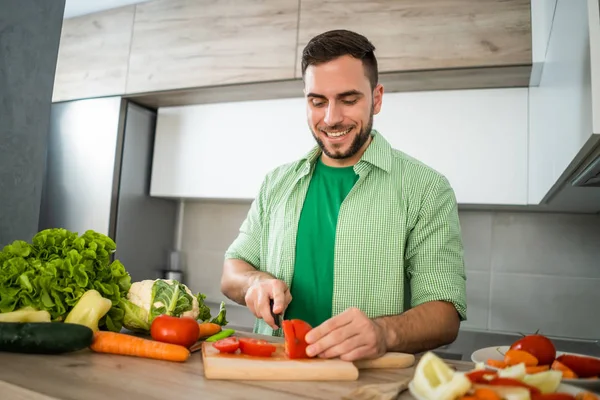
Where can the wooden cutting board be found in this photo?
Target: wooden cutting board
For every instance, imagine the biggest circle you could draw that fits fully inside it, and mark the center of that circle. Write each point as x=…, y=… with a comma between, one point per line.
x=279, y=368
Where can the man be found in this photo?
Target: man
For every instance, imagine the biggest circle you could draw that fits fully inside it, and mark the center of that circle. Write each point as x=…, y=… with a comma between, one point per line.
x=358, y=239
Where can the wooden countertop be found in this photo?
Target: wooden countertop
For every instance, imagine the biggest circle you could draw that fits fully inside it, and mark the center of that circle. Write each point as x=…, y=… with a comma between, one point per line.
x=90, y=376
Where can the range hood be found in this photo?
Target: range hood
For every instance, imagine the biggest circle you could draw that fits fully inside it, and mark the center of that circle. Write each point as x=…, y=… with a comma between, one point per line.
x=589, y=176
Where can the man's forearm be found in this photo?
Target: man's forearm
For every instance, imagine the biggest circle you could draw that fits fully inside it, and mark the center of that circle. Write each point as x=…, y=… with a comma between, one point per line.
x=425, y=327
x=237, y=277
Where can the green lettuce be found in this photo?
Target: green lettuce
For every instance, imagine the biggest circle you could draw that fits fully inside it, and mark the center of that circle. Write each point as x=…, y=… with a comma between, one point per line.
x=53, y=271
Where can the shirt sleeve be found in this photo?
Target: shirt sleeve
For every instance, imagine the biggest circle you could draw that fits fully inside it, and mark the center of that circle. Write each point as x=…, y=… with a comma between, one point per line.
x=434, y=252
x=247, y=245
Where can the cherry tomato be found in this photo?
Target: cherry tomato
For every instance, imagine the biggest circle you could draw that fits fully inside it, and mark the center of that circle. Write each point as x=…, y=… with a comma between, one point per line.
x=183, y=331
x=538, y=346
x=294, y=332
x=227, y=345
x=256, y=347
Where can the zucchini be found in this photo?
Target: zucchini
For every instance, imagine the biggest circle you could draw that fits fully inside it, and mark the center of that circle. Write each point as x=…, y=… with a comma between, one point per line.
x=44, y=337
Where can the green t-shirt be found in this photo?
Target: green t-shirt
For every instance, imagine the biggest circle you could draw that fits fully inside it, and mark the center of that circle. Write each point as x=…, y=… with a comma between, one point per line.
x=312, y=282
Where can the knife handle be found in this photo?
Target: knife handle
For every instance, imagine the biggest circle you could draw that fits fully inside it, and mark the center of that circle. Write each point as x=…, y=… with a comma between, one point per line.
x=276, y=317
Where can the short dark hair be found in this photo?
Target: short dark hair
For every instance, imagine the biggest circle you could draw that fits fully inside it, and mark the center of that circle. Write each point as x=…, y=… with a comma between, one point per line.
x=332, y=44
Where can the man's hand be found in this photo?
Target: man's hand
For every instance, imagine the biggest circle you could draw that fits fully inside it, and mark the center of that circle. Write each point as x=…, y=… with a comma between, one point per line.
x=260, y=293
x=350, y=335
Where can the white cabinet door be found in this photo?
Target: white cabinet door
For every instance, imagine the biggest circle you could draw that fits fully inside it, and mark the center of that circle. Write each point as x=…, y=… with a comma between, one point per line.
x=224, y=150
x=477, y=138
x=560, y=108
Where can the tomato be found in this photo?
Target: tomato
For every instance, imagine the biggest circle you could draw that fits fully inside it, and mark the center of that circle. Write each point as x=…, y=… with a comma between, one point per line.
x=227, y=345
x=294, y=331
x=256, y=347
x=183, y=331
x=538, y=346
x=513, y=382
x=584, y=367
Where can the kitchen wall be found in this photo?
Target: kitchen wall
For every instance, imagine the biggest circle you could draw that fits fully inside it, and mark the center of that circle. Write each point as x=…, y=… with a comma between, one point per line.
x=525, y=270
x=29, y=41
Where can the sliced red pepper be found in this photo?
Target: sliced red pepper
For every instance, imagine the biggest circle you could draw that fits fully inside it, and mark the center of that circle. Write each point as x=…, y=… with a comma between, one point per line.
x=584, y=367
x=481, y=376
x=294, y=332
x=553, y=396
x=514, y=382
x=256, y=347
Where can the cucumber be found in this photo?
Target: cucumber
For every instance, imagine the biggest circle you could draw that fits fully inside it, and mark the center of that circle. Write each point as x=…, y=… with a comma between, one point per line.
x=44, y=337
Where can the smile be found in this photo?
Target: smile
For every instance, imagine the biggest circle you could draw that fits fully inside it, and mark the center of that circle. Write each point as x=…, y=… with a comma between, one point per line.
x=337, y=134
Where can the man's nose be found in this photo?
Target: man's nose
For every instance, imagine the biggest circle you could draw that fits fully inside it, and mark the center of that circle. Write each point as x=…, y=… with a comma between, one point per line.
x=333, y=115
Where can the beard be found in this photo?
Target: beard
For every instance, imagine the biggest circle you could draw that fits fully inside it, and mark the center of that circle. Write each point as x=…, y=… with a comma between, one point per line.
x=359, y=140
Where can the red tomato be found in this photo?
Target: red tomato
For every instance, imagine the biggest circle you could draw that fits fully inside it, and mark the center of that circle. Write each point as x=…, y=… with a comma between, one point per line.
x=227, y=345
x=584, y=367
x=294, y=332
x=256, y=347
x=538, y=346
x=182, y=331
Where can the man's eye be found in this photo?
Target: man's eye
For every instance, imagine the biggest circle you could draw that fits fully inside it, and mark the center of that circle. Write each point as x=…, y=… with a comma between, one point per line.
x=318, y=103
x=350, y=102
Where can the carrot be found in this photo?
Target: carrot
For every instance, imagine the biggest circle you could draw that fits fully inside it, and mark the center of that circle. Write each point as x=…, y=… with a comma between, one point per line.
x=496, y=363
x=208, y=329
x=566, y=371
x=486, y=394
x=536, y=369
x=514, y=357
x=128, y=345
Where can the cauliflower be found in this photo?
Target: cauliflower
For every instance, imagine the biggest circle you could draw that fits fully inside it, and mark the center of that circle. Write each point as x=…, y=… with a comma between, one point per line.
x=142, y=295
x=148, y=299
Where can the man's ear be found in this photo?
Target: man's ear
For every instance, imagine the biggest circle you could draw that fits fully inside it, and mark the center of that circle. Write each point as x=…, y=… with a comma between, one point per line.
x=377, y=98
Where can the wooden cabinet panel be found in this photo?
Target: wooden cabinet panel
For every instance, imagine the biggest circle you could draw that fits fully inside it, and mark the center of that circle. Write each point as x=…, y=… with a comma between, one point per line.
x=427, y=34
x=189, y=43
x=93, y=55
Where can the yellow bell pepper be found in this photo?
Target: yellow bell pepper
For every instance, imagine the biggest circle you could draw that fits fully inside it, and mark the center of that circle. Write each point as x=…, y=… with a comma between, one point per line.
x=25, y=314
x=88, y=311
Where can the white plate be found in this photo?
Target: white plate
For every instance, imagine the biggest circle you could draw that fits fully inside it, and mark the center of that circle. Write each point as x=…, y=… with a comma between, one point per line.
x=497, y=353
x=562, y=388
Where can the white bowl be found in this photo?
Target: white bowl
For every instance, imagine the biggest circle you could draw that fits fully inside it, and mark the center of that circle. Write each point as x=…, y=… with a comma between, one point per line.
x=562, y=388
x=497, y=353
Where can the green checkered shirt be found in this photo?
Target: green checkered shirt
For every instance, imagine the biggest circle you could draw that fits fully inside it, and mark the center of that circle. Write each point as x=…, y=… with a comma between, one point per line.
x=398, y=239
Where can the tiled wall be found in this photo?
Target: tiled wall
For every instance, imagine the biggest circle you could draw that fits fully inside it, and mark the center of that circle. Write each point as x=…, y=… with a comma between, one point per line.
x=525, y=271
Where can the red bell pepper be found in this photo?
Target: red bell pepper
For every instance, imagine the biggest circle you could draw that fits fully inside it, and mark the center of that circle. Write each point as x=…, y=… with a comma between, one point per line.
x=294, y=331
x=584, y=367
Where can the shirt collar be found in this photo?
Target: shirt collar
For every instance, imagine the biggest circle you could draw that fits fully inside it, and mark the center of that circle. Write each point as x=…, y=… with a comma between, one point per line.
x=378, y=154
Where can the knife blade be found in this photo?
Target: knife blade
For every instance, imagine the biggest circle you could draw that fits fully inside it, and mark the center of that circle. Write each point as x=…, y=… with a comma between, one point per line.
x=276, y=317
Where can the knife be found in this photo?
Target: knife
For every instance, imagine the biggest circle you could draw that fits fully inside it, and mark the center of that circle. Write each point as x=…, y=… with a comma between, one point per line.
x=276, y=317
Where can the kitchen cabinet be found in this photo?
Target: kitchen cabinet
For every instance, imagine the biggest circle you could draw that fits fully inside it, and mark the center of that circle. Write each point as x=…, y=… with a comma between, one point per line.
x=93, y=55
x=188, y=43
x=181, y=52
x=413, y=35
x=477, y=138
x=565, y=109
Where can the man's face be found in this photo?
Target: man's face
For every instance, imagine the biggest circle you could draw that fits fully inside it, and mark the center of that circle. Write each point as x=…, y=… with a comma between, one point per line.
x=340, y=107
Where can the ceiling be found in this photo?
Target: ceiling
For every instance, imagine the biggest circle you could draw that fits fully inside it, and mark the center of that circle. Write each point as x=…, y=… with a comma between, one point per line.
x=74, y=8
